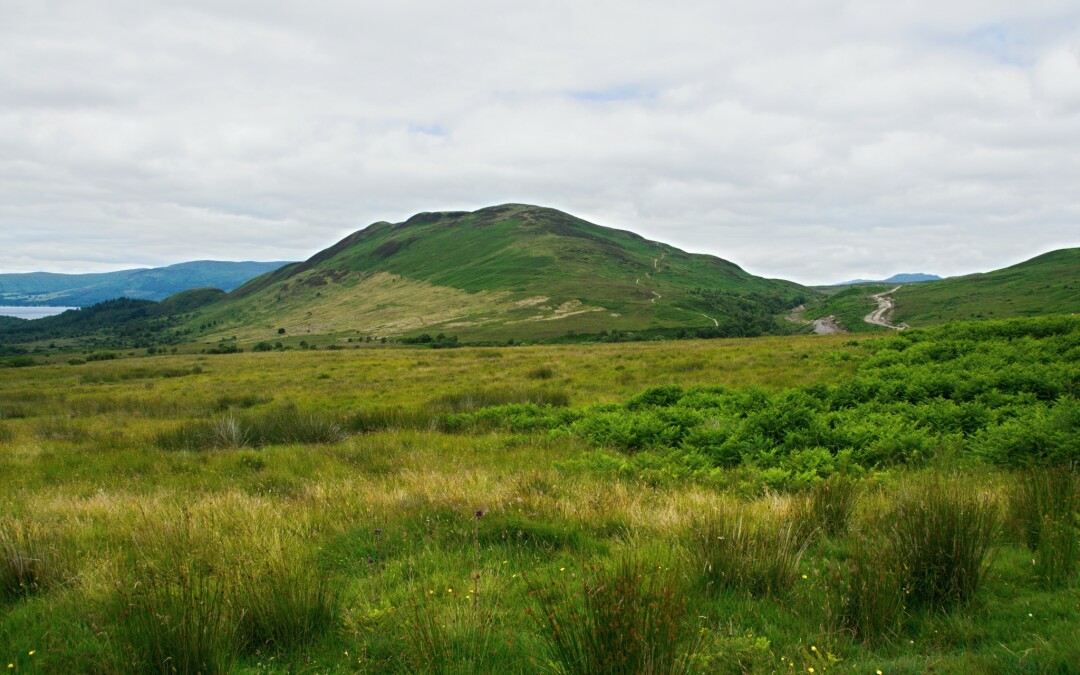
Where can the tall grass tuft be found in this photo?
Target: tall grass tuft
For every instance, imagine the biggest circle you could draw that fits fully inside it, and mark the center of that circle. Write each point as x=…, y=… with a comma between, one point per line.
x=627, y=619
x=175, y=620
x=281, y=604
x=24, y=560
x=474, y=399
x=1057, y=552
x=866, y=592
x=285, y=424
x=378, y=419
x=1044, y=506
x=942, y=535
x=447, y=635
x=758, y=555
x=1039, y=495
x=541, y=373
x=828, y=507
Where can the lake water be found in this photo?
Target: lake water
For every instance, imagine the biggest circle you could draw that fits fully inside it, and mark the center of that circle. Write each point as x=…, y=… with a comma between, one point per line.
x=32, y=312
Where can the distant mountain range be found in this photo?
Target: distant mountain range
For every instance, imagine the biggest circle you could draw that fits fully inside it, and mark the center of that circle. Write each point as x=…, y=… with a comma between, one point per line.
x=894, y=279
x=82, y=290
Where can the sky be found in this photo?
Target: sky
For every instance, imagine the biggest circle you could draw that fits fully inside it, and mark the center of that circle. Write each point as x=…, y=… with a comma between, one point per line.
x=817, y=141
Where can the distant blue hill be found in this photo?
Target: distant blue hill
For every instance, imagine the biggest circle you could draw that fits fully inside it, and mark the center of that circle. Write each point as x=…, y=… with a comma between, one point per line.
x=82, y=290
x=894, y=279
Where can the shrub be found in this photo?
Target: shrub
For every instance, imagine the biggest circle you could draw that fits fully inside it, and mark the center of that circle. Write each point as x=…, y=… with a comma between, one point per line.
x=758, y=556
x=942, y=535
x=627, y=619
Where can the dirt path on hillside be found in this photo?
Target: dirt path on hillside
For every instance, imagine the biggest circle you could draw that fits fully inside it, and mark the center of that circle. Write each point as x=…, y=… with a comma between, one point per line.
x=656, y=268
x=715, y=322
x=885, y=306
x=824, y=326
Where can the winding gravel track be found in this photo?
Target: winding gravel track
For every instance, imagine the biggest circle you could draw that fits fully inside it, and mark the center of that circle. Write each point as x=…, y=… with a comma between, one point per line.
x=885, y=305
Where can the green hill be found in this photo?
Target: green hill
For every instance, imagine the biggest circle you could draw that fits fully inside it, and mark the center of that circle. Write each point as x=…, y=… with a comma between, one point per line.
x=83, y=290
x=510, y=271
x=1046, y=284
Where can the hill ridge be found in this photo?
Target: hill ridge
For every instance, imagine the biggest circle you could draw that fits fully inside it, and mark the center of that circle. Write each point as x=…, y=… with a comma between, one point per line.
x=593, y=278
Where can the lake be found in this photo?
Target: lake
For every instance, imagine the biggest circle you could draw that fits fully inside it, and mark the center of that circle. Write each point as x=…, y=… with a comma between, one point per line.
x=32, y=312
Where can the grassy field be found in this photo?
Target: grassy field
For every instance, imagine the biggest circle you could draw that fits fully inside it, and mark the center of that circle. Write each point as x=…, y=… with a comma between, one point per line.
x=1046, y=283
x=801, y=504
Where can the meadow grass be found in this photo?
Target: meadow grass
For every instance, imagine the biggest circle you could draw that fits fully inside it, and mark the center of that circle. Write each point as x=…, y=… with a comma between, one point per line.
x=268, y=549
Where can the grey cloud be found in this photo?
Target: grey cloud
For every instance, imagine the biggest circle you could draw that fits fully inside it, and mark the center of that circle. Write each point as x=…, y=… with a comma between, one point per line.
x=813, y=141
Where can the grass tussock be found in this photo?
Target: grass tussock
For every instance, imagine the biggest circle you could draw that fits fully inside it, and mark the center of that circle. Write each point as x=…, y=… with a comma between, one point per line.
x=283, y=425
x=1039, y=495
x=371, y=419
x=624, y=619
x=828, y=507
x=943, y=533
x=759, y=555
x=541, y=373
x=472, y=400
x=176, y=620
x=281, y=603
x=866, y=593
x=447, y=634
x=1044, y=506
x=433, y=416
x=26, y=560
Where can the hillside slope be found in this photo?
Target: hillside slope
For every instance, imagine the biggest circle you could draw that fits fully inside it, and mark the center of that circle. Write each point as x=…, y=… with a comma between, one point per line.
x=510, y=271
x=1046, y=284
x=83, y=290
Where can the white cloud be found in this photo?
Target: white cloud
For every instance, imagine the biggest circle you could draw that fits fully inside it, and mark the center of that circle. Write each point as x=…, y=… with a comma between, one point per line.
x=815, y=141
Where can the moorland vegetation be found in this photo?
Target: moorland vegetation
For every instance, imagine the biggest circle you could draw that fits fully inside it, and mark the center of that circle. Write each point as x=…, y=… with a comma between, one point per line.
x=895, y=503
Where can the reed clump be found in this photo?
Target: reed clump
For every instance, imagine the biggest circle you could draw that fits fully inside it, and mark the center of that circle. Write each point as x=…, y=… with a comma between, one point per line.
x=627, y=618
x=943, y=534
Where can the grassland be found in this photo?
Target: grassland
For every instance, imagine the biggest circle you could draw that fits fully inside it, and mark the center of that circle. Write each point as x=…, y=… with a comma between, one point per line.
x=498, y=509
x=1047, y=283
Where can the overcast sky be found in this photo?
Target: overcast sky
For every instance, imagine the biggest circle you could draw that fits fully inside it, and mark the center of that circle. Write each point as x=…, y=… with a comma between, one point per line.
x=816, y=141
